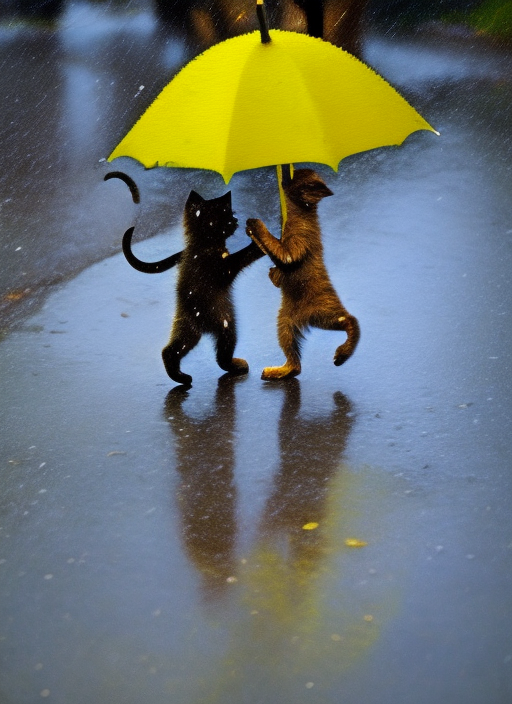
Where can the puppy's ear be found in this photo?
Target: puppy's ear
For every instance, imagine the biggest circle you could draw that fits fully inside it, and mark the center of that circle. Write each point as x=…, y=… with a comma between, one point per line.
x=322, y=190
x=314, y=191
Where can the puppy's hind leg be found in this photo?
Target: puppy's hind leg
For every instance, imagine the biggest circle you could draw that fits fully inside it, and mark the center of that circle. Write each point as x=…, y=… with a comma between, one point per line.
x=347, y=349
x=290, y=337
x=341, y=320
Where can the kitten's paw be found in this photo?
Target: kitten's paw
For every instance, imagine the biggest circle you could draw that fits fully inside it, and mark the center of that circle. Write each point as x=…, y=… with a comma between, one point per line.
x=181, y=378
x=173, y=370
x=238, y=366
x=284, y=372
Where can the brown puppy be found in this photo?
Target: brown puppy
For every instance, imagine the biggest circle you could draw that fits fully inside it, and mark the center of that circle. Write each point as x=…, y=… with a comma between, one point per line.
x=308, y=297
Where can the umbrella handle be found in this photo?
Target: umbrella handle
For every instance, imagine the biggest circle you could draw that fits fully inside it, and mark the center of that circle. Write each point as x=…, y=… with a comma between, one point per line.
x=284, y=176
x=261, y=13
x=284, y=171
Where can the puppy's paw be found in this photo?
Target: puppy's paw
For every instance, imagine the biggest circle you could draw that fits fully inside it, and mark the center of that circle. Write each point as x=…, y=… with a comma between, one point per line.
x=284, y=372
x=254, y=227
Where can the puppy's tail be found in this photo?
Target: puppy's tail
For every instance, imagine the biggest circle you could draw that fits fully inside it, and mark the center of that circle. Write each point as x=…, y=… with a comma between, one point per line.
x=347, y=349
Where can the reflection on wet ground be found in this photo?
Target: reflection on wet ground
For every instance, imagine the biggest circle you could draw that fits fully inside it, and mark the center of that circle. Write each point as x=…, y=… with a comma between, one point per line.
x=346, y=536
x=205, y=453
x=207, y=494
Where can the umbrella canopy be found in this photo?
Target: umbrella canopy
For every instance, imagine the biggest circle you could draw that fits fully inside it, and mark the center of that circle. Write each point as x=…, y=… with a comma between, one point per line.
x=244, y=104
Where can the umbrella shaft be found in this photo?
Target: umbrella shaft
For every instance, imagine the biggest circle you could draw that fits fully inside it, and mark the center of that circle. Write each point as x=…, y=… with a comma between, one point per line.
x=263, y=22
x=284, y=177
x=286, y=174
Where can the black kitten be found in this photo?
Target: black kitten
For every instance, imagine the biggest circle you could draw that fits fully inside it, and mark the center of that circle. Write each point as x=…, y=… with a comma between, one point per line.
x=207, y=271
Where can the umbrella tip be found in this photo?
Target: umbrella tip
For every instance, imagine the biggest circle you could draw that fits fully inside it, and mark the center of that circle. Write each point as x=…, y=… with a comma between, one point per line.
x=263, y=21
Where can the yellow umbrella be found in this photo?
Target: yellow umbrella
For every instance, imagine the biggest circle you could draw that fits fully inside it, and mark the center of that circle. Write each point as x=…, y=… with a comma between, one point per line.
x=244, y=104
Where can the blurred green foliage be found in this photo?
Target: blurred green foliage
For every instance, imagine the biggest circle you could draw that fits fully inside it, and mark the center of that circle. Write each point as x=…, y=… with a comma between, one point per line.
x=408, y=13
x=487, y=17
x=493, y=17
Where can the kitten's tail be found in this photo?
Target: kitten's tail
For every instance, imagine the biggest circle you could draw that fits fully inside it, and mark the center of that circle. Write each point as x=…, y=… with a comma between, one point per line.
x=135, y=262
x=134, y=189
x=347, y=349
x=146, y=267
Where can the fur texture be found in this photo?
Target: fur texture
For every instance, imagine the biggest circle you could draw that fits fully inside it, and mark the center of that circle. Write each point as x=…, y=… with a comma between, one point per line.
x=308, y=297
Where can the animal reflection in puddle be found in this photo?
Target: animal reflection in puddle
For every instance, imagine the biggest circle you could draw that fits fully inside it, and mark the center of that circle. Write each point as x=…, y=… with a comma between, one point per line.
x=310, y=450
x=205, y=460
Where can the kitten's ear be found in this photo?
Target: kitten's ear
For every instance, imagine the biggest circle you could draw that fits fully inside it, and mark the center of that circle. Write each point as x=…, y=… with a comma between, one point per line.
x=194, y=200
x=226, y=199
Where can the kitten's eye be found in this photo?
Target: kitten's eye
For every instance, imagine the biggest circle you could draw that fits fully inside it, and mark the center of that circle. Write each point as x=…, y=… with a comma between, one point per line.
x=198, y=213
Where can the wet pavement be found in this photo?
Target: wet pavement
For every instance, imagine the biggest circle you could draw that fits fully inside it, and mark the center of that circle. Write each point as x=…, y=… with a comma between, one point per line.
x=344, y=536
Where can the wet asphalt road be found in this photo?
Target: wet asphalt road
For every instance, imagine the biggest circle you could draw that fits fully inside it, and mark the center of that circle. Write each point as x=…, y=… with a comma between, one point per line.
x=152, y=542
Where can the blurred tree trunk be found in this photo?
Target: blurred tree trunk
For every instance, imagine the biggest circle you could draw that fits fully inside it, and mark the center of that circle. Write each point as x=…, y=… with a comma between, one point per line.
x=209, y=21
x=43, y=10
x=340, y=22
x=314, y=11
x=345, y=23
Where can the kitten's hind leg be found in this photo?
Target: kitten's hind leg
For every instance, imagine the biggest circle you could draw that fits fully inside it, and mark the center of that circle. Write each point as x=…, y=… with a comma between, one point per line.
x=181, y=342
x=289, y=337
x=225, y=346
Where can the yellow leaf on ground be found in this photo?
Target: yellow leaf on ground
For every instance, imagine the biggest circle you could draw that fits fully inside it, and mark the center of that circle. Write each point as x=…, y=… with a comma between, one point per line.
x=355, y=543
